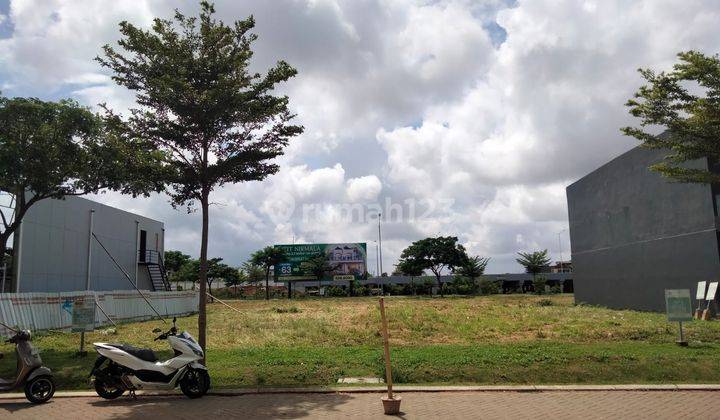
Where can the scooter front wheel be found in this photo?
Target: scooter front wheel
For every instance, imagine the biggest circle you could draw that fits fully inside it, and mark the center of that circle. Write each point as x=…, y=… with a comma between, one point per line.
x=107, y=391
x=39, y=390
x=195, y=383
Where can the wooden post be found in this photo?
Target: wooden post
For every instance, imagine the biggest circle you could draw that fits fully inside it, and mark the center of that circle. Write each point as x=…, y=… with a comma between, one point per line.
x=391, y=404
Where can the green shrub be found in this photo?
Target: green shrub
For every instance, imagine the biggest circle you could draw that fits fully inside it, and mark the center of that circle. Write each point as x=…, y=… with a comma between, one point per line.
x=489, y=287
x=335, y=291
x=545, y=302
x=539, y=283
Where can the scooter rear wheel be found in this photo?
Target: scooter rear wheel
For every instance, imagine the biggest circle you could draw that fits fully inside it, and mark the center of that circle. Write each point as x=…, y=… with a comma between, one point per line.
x=40, y=389
x=107, y=391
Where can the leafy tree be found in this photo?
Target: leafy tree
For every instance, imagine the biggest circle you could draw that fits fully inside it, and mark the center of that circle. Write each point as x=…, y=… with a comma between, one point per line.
x=267, y=258
x=199, y=102
x=235, y=280
x=473, y=268
x=217, y=270
x=174, y=260
x=319, y=266
x=534, y=262
x=686, y=102
x=59, y=149
x=253, y=273
x=436, y=255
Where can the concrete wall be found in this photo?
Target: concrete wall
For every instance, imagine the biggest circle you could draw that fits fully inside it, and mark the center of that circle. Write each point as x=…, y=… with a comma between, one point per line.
x=53, y=247
x=634, y=234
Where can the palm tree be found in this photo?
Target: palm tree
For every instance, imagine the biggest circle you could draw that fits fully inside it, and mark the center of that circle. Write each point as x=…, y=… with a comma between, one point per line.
x=474, y=267
x=267, y=258
x=534, y=262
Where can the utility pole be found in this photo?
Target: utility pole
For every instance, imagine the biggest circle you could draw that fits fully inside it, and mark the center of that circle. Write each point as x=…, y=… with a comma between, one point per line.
x=561, y=250
x=380, y=243
x=377, y=260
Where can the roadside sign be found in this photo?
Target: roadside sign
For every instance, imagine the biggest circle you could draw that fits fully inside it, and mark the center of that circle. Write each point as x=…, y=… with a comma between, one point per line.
x=341, y=277
x=700, y=294
x=83, y=314
x=712, y=291
x=678, y=304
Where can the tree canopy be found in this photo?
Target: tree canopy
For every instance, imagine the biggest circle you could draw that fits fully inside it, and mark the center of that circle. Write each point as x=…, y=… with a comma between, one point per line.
x=217, y=121
x=534, y=262
x=474, y=267
x=58, y=149
x=267, y=258
x=434, y=254
x=686, y=103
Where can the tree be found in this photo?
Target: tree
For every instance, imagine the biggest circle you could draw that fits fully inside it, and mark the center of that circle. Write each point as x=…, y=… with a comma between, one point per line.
x=410, y=267
x=235, y=280
x=435, y=254
x=253, y=273
x=318, y=266
x=217, y=270
x=174, y=260
x=59, y=149
x=267, y=258
x=199, y=102
x=686, y=103
x=534, y=262
x=474, y=267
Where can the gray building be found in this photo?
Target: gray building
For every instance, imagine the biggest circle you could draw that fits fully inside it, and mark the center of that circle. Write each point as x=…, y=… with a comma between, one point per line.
x=634, y=233
x=54, y=250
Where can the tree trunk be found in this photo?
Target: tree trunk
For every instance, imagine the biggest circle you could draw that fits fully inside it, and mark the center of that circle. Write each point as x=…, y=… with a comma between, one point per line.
x=3, y=242
x=202, y=314
x=267, y=283
x=440, y=285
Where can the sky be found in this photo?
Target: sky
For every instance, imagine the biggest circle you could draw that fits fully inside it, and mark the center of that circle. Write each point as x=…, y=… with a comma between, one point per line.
x=463, y=118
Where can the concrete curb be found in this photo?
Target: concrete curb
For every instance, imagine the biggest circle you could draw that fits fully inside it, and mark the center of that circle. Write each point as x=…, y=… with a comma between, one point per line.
x=407, y=388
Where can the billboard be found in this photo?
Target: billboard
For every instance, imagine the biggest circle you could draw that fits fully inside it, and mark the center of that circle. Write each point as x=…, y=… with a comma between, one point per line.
x=348, y=261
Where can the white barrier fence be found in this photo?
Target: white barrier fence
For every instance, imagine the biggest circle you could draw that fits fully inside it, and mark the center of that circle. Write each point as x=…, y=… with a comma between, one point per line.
x=53, y=311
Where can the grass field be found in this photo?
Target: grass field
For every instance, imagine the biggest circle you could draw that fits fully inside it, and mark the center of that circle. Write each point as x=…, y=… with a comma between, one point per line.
x=501, y=339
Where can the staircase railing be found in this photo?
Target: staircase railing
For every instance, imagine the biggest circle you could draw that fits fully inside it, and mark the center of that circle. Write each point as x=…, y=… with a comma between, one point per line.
x=151, y=257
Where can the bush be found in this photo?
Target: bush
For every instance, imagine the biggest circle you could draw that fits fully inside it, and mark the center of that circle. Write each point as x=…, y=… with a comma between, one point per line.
x=335, y=291
x=545, y=302
x=539, y=283
x=463, y=286
x=489, y=287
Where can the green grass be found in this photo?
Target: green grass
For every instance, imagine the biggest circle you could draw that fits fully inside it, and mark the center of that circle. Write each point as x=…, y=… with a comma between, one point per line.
x=504, y=339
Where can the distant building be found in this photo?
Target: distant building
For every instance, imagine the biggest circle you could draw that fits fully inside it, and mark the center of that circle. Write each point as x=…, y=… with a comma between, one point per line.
x=634, y=233
x=561, y=267
x=54, y=250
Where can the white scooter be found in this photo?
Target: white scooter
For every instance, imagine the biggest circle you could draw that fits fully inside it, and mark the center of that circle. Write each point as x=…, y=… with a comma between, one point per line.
x=130, y=368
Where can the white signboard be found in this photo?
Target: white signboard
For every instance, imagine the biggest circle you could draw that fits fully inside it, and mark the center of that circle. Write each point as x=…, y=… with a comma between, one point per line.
x=712, y=291
x=83, y=314
x=700, y=294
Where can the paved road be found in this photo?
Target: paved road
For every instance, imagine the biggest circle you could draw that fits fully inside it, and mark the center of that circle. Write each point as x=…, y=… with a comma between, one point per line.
x=447, y=405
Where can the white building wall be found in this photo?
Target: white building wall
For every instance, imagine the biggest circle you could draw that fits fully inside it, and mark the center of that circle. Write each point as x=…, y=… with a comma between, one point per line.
x=53, y=246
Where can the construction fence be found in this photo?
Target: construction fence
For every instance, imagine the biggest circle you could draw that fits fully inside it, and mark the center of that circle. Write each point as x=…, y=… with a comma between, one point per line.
x=54, y=311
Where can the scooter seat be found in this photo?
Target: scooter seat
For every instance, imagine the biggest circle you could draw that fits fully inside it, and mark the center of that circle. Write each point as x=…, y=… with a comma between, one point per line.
x=143, y=354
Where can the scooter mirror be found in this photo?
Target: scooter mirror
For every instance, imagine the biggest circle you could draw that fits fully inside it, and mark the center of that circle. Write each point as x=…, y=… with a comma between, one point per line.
x=157, y=330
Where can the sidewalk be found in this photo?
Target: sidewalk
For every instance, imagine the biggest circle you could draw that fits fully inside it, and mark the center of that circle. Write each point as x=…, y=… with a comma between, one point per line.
x=518, y=404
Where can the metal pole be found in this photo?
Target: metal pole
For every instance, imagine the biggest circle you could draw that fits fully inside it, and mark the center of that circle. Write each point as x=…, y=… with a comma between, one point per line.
x=380, y=244
x=561, y=253
x=377, y=260
x=87, y=276
x=137, y=249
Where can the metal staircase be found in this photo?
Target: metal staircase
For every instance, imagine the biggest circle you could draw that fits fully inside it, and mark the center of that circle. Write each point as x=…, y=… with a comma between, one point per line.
x=156, y=269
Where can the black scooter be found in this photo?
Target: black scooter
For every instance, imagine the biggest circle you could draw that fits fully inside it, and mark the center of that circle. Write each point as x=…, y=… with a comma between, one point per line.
x=30, y=373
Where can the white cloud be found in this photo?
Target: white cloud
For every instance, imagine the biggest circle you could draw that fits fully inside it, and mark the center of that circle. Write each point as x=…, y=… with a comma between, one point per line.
x=401, y=100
